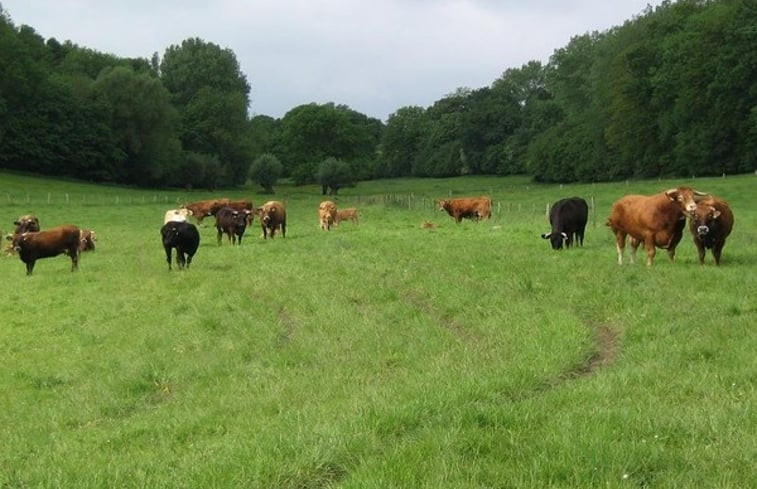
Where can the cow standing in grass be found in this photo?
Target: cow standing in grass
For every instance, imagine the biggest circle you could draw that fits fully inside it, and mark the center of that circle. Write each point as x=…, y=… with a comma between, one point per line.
x=232, y=223
x=657, y=221
x=473, y=208
x=327, y=214
x=31, y=246
x=184, y=237
x=568, y=219
x=273, y=216
x=710, y=225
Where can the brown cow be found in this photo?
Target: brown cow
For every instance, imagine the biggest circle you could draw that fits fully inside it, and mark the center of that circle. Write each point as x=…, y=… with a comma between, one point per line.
x=87, y=240
x=244, y=206
x=233, y=223
x=26, y=223
x=657, y=221
x=473, y=208
x=272, y=216
x=710, y=226
x=204, y=208
x=350, y=214
x=327, y=214
x=32, y=246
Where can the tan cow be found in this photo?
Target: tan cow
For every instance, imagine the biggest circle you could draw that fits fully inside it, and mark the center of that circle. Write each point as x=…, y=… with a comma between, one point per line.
x=273, y=216
x=349, y=214
x=473, y=208
x=327, y=214
x=657, y=221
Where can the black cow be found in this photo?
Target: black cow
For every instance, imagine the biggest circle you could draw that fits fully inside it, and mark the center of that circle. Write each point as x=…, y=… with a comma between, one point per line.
x=568, y=218
x=233, y=223
x=184, y=237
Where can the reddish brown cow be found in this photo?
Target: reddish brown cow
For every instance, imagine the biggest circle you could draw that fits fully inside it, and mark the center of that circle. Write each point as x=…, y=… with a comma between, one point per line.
x=474, y=208
x=32, y=246
x=657, y=221
x=273, y=216
x=204, y=208
x=710, y=226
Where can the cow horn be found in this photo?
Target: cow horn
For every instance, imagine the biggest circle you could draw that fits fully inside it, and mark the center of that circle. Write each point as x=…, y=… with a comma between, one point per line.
x=546, y=235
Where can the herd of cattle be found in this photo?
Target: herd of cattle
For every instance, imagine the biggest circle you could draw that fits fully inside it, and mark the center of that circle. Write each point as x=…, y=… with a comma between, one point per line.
x=656, y=221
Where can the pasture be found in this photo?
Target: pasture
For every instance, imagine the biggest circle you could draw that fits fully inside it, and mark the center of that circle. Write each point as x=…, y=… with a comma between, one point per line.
x=377, y=355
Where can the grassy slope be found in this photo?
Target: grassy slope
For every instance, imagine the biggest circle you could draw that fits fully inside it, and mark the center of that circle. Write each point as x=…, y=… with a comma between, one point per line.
x=381, y=355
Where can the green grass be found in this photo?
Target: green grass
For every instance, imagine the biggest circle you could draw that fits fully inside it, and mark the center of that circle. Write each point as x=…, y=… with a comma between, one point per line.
x=379, y=355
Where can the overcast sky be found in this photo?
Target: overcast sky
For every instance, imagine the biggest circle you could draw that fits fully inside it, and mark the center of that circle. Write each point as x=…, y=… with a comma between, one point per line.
x=375, y=56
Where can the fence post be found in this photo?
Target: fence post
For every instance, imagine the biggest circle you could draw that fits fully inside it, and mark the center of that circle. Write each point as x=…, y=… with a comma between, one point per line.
x=67, y=199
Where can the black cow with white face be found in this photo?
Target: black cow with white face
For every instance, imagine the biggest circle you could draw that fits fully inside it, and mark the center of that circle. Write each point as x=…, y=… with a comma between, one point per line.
x=184, y=237
x=568, y=218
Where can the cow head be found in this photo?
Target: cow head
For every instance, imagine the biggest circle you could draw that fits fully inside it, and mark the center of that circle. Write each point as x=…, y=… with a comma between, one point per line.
x=685, y=198
x=556, y=239
x=443, y=204
x=704, y=219
x=27, y=223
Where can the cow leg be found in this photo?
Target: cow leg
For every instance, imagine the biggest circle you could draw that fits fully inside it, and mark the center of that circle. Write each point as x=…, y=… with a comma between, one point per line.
x=649, y=244
x=30, y=267
x=716, y=251
x=180, y=260
x=168, y=256
x=620, y=245
x=219, y=237
x=189, y=260
x=283, y=230
x=75, y=260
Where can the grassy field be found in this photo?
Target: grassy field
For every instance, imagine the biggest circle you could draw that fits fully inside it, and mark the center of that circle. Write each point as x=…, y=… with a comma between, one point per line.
x=381, y=355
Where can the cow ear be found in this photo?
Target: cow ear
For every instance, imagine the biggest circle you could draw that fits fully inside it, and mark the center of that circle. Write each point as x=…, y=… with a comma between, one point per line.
x=564, y=236
x=714, y=213
x=546, y=235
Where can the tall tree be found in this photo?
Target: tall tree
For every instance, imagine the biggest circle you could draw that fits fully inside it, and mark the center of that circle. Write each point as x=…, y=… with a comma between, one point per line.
x=212, y=95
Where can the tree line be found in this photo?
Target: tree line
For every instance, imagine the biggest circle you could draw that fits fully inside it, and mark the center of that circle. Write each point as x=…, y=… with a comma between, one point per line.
x=671, y=92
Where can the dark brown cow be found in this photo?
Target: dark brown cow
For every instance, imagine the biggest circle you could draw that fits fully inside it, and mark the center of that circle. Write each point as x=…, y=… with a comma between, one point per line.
x=474, y=208
x=710, y=226
x=26, y=223
x=655, y=220
x=244, y=206
x=232, y=223
x=272, y=216
x=327, y=214
x=87, y=240
x=31, y=246
x=204, y=208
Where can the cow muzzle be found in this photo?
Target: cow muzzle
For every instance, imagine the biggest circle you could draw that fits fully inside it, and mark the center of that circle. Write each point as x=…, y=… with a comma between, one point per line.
x=702, y=230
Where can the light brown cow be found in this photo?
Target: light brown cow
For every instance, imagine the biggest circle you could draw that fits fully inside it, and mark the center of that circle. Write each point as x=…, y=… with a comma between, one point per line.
x=473, y=208
x=327, y=214
x=273, y=216
x=710, y=226
x=657, y=221
x=349, y=214
x=204, y=208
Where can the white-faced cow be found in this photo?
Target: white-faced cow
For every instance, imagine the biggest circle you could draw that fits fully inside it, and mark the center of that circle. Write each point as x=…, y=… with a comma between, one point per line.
x=568, y=219
x=184, y=237
x=710, y=225
x=233, y=223
x=473, y=208
x=31, y=246
x=273, y=216
x=656, y=220
x=177, y=215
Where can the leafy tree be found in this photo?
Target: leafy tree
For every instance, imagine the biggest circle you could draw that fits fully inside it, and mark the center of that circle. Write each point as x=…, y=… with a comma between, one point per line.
x=401, y=141
x=212, y=95
x=334, y=174
x=265, y=171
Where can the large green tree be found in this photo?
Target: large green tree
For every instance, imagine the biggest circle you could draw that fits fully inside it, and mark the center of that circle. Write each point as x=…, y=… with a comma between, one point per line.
x=212, y=96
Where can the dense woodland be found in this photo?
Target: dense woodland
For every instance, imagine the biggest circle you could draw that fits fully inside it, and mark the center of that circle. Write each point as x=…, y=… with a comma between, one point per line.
x=671, y=92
